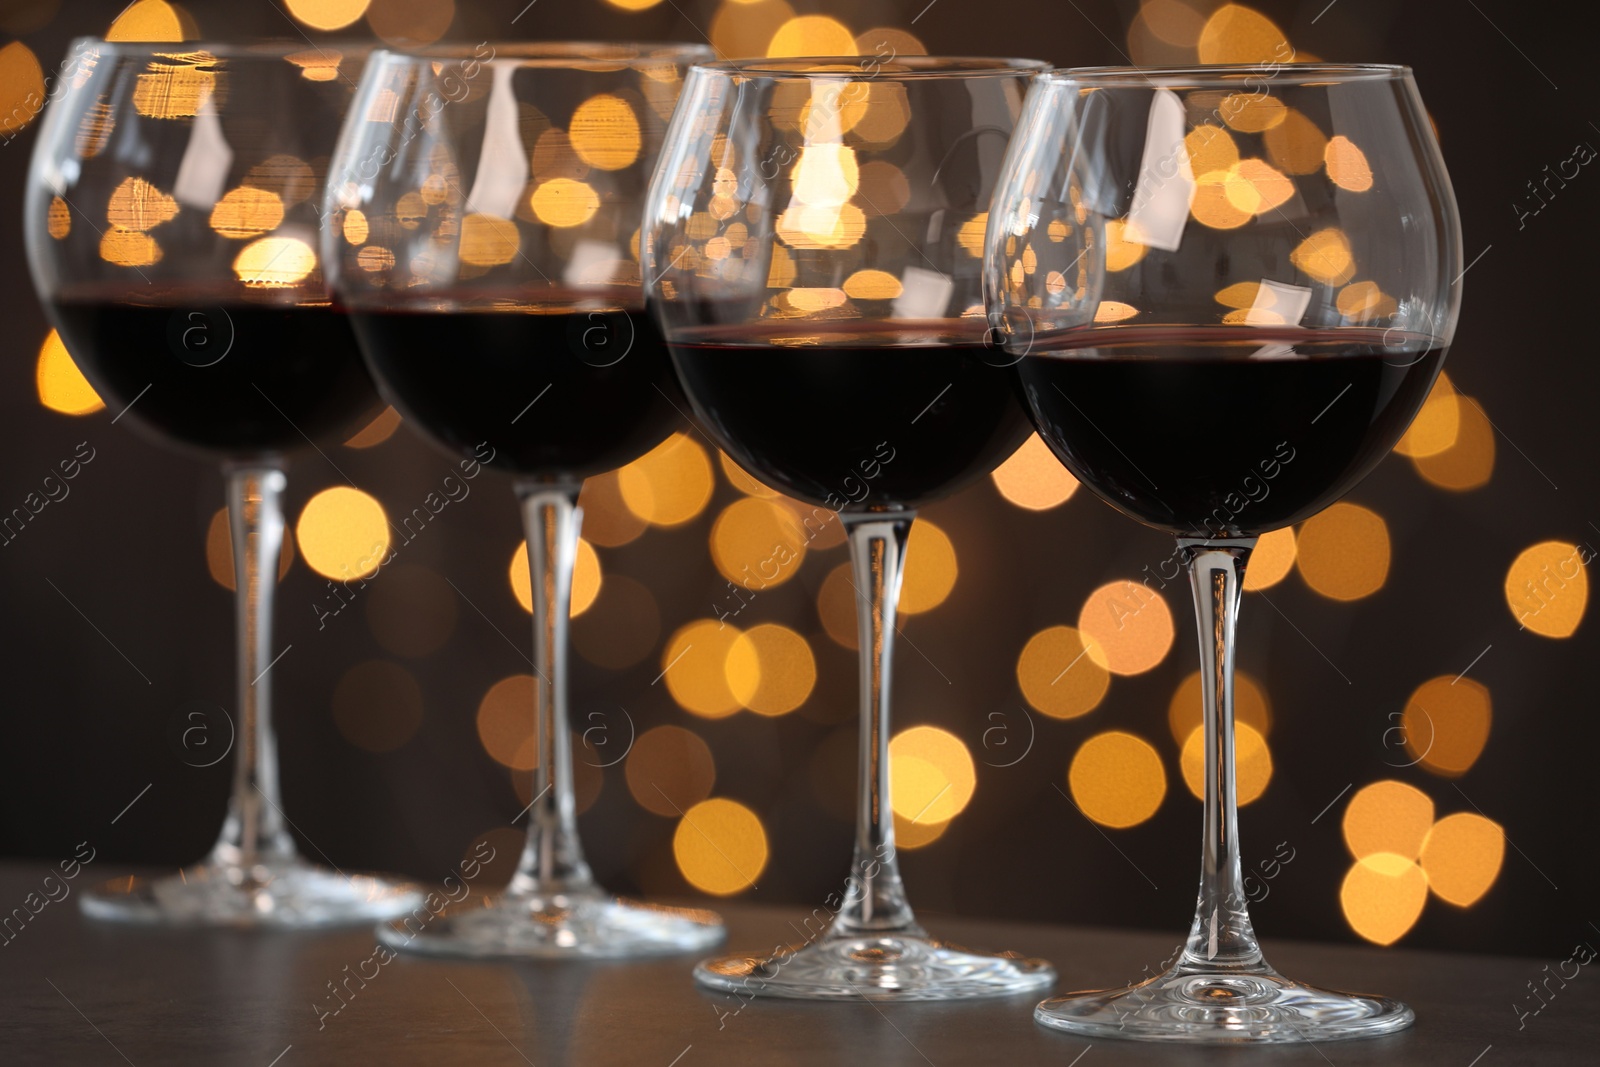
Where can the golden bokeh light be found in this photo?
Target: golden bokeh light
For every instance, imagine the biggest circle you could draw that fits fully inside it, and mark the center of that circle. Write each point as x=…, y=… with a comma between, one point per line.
x=771, y=669
x=274, y=262
x=743, y=480
x=633, y=5
x=1469, y=461
x=317, y=64
x=1347, y=164
x=605, y=132
x=1437, y=425
x=1033, y=478
x=932, y=776
x=1446, y=724
x=1382, y=897
x=246, y=212
x=176, y=88
x=1462, y=856
x=129, y=248
x=1272, y=559
x=59, y=221
x=757, y=543
x=1128, y=627
x=343, y=533
x=1238, y=34
x=1387, y=817
x=1547, y=588
x=1325, y=256
x=872, y=285
x=811, y=35
x=219, y=551
x=670, y=770
x=1210, y=148
x=376, y=432
x=1252, y=112
x=694, y=665
x=137, y=205
x=1343, y=552
x=586, y=578
x=288, y=177
x=327, y=14
x=377, y=706
x=506, y=722
x=1252, y=763
x=1295, y=145
x=1121, y=251
x=355, y=227
x=720, y=846
x=22, y=88
x=147, y=20
x=1117, y=779
x=930, y=569
x=410, y=22
x=1173, y=21
x=1213, y=207
x=607, y=521
x=488, y=240
x=670, y=484
x=1058, y=676
x=744, y=27
x=1250, y=706
x=1254, y=186
x=889, y=42
x=564, y=202
x=914, y=835
x=836, y=606
x=62, y=386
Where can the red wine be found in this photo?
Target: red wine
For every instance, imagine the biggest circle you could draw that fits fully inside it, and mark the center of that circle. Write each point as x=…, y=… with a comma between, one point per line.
x=1225, y=431
x=573, y=385
x=851, y=415
x=233, y=377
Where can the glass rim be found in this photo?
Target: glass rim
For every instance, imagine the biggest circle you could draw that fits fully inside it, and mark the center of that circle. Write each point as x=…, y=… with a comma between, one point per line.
x=1222, y=75
x=860, y=68
x=270, y=48
x=552, y=53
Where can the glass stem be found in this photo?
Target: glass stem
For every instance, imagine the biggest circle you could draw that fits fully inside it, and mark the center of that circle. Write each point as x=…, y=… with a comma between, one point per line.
x=875, y=900
x=1221, y=937
x=552, y=863
x=254, y=831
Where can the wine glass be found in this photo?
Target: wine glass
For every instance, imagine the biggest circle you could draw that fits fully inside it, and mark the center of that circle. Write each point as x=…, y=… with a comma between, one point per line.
x=1228, y=290
x=812, y=243
x=482, y=210
x=171, y=218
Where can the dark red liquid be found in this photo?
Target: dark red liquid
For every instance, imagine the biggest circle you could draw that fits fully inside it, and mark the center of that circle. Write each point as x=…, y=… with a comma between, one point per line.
x=557, y=390
x=1206, y=431
x=242, y=379
x=855, y=416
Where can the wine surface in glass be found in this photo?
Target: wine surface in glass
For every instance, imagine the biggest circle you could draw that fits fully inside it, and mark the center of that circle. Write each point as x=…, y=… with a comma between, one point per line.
x=1223, y=431
x=219, y=373
x=852, y=415
x=568, y=386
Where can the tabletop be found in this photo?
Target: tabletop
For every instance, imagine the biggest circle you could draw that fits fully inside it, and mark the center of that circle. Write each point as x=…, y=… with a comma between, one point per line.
x=73, y=991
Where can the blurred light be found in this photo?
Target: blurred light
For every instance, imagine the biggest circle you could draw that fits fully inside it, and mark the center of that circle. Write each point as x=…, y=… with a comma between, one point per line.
x=1173, y=21
x=289, y=177
x=812, y=35
x=506, y=721
x=770, y=669
x=886, y=42
x=138, y=205
x=1238, y=34
x=1547, y=588
x=59, y=221
x=836, y=606
x=1437, y=424
x=1185, y=713
x=882, y=188
x=743, y=480
x=1295, y=145
x=694, y=666
x=1033, y=478
x=1343, y=552
x=377, y=705
x=1252, y=112
x=932, y=775
x=914, y=835
x=743, y=28
x=1364, y=301
x=720, y=846
x=246, y=212
x=129, y=248
x=563, y=202
x=274, y=262
x=670, y=484
x=633, y=5
x=872, y=285
x=176, y=87
x=147, y=20
x=1347, y=165
x=412, y=612
x=586, y=578
x=605, y=132
x=1387, y=817
x=327, y=14
x=22, y=88
x=343, y=533
x=1446, y=724
x=1254, y=186
x=607, y=521
x=757, y=543
x=1325, y=256
x=1469, y=462
x=410, y=22
x=219, y=551
x=490, y=241
x=1120, y=252
x=971, y=234
x=1272, y=559
x=1117, y=779
x=1058, y=676
x=930, y=569
x=1462, y=857
x=1383, y=896
x=1114, y=311
x=622, y=626
x=1210, y=148
x=554, y=157
x=670, y=770
x=62, y=386
x=318, y=64
x=1128, y=627
x=1252, y=762
x=355, y=227
x=1213, y=207
x=377, y=431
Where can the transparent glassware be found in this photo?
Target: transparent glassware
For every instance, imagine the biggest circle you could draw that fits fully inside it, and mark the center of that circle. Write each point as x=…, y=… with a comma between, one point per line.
x=811, y=242
x=1263, y=265
x=170, y=219
x=479, y=227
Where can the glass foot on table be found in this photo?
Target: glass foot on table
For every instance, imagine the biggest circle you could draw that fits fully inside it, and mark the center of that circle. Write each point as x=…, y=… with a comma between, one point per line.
x=876, y=967
x=287, y=893
x=559, y=926
x=1224, y=1009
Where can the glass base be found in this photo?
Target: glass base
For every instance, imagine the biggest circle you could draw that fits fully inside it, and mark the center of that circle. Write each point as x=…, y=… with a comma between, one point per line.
x=561, y=926
x=1224, y=1009
x=882, y=967
x=286, y=894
